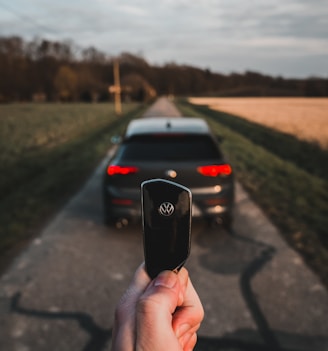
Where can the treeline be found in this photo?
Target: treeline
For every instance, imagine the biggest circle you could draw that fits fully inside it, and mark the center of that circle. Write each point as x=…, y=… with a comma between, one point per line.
x=43, y=70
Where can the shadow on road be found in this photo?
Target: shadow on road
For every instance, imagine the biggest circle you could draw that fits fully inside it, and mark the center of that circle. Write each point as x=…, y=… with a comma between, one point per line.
x=231, y=254
x=251, y=256
x=99, y=337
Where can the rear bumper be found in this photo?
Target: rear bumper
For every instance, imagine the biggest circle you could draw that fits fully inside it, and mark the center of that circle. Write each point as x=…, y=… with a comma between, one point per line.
x=206, y=204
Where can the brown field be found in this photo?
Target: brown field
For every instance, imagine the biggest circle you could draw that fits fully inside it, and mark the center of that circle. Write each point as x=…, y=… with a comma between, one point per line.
x=306, y=118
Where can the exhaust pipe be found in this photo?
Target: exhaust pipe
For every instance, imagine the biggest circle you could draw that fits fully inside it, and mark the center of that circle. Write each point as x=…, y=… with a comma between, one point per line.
x=121, y=223
x=215, y=222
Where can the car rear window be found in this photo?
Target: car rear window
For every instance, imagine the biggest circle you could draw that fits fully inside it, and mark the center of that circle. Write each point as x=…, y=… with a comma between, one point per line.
x=169, y=148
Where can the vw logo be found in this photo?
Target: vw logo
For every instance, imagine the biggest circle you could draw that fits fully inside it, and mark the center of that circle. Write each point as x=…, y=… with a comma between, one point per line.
x=166, y=209
x=171, y=173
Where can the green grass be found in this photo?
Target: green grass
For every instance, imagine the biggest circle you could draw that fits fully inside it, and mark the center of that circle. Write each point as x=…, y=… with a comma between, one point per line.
x=294, y=198
x=29, y=132
x=47, y=151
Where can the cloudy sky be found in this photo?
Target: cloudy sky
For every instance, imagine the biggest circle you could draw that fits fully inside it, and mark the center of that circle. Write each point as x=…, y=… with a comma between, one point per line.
x=277, y=37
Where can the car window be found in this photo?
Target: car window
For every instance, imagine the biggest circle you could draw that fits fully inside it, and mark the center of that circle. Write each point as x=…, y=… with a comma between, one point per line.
x=169, y=148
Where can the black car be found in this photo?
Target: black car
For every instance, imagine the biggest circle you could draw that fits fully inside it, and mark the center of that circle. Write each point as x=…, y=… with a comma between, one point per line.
x=179, y=149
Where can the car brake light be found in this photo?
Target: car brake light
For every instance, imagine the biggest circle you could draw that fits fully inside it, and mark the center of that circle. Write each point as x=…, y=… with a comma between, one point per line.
x=215, y=202
x=122, y=170
x=122, y=202
x=215, y=170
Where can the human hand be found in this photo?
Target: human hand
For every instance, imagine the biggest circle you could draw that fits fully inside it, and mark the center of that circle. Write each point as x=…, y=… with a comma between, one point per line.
x=163, y=314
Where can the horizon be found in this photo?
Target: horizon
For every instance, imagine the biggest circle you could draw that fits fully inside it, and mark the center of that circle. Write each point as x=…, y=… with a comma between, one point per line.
x=276, y=38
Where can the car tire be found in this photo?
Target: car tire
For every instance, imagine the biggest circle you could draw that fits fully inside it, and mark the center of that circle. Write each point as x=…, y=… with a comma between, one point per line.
x=227, y=222
x=108, y=220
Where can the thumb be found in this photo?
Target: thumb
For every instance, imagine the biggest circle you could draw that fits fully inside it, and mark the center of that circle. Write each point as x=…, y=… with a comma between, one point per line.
x=154, y=313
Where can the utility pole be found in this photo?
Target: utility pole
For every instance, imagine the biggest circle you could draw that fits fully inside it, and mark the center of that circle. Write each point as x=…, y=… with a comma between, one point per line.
x=116, y=88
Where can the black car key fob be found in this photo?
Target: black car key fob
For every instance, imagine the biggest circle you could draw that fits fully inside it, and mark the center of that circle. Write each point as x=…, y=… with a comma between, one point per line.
x=166, y=216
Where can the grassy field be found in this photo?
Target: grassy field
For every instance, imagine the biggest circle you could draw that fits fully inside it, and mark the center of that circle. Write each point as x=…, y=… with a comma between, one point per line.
x=294, y=198
x=305, y=118
x=47, y=151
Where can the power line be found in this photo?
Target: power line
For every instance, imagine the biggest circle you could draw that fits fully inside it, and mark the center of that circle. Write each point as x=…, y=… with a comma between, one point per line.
x=35, y=24
x=31, y=20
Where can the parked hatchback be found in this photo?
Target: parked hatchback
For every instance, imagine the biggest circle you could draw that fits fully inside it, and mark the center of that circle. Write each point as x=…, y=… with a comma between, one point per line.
x=180, y=149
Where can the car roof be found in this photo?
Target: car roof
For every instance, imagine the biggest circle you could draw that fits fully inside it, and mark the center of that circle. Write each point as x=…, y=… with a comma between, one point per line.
x=167, y=125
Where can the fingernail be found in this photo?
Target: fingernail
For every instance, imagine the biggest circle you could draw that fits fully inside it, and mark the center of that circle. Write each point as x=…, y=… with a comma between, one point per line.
x=166, y=279
x=182, y=330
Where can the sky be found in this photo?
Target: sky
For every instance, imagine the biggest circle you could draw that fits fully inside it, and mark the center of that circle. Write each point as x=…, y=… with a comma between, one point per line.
x=286, y=38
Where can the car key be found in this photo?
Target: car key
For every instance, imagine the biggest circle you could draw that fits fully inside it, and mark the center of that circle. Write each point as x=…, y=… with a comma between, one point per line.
x=166, y=216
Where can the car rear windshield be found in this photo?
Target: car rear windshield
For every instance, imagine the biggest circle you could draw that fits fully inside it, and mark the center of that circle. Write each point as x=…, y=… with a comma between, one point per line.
x=169, y=148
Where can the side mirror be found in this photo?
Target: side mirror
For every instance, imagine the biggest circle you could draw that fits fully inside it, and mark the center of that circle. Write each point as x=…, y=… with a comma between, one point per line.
x=116, y=139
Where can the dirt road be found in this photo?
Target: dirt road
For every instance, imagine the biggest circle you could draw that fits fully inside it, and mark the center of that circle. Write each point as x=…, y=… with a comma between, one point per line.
x=60, y=294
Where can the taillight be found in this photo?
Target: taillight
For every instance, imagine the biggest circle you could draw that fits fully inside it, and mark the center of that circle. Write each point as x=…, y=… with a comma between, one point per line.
x=122, y=170
x=216, y=202
x=215, y=170
x=125, y=202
